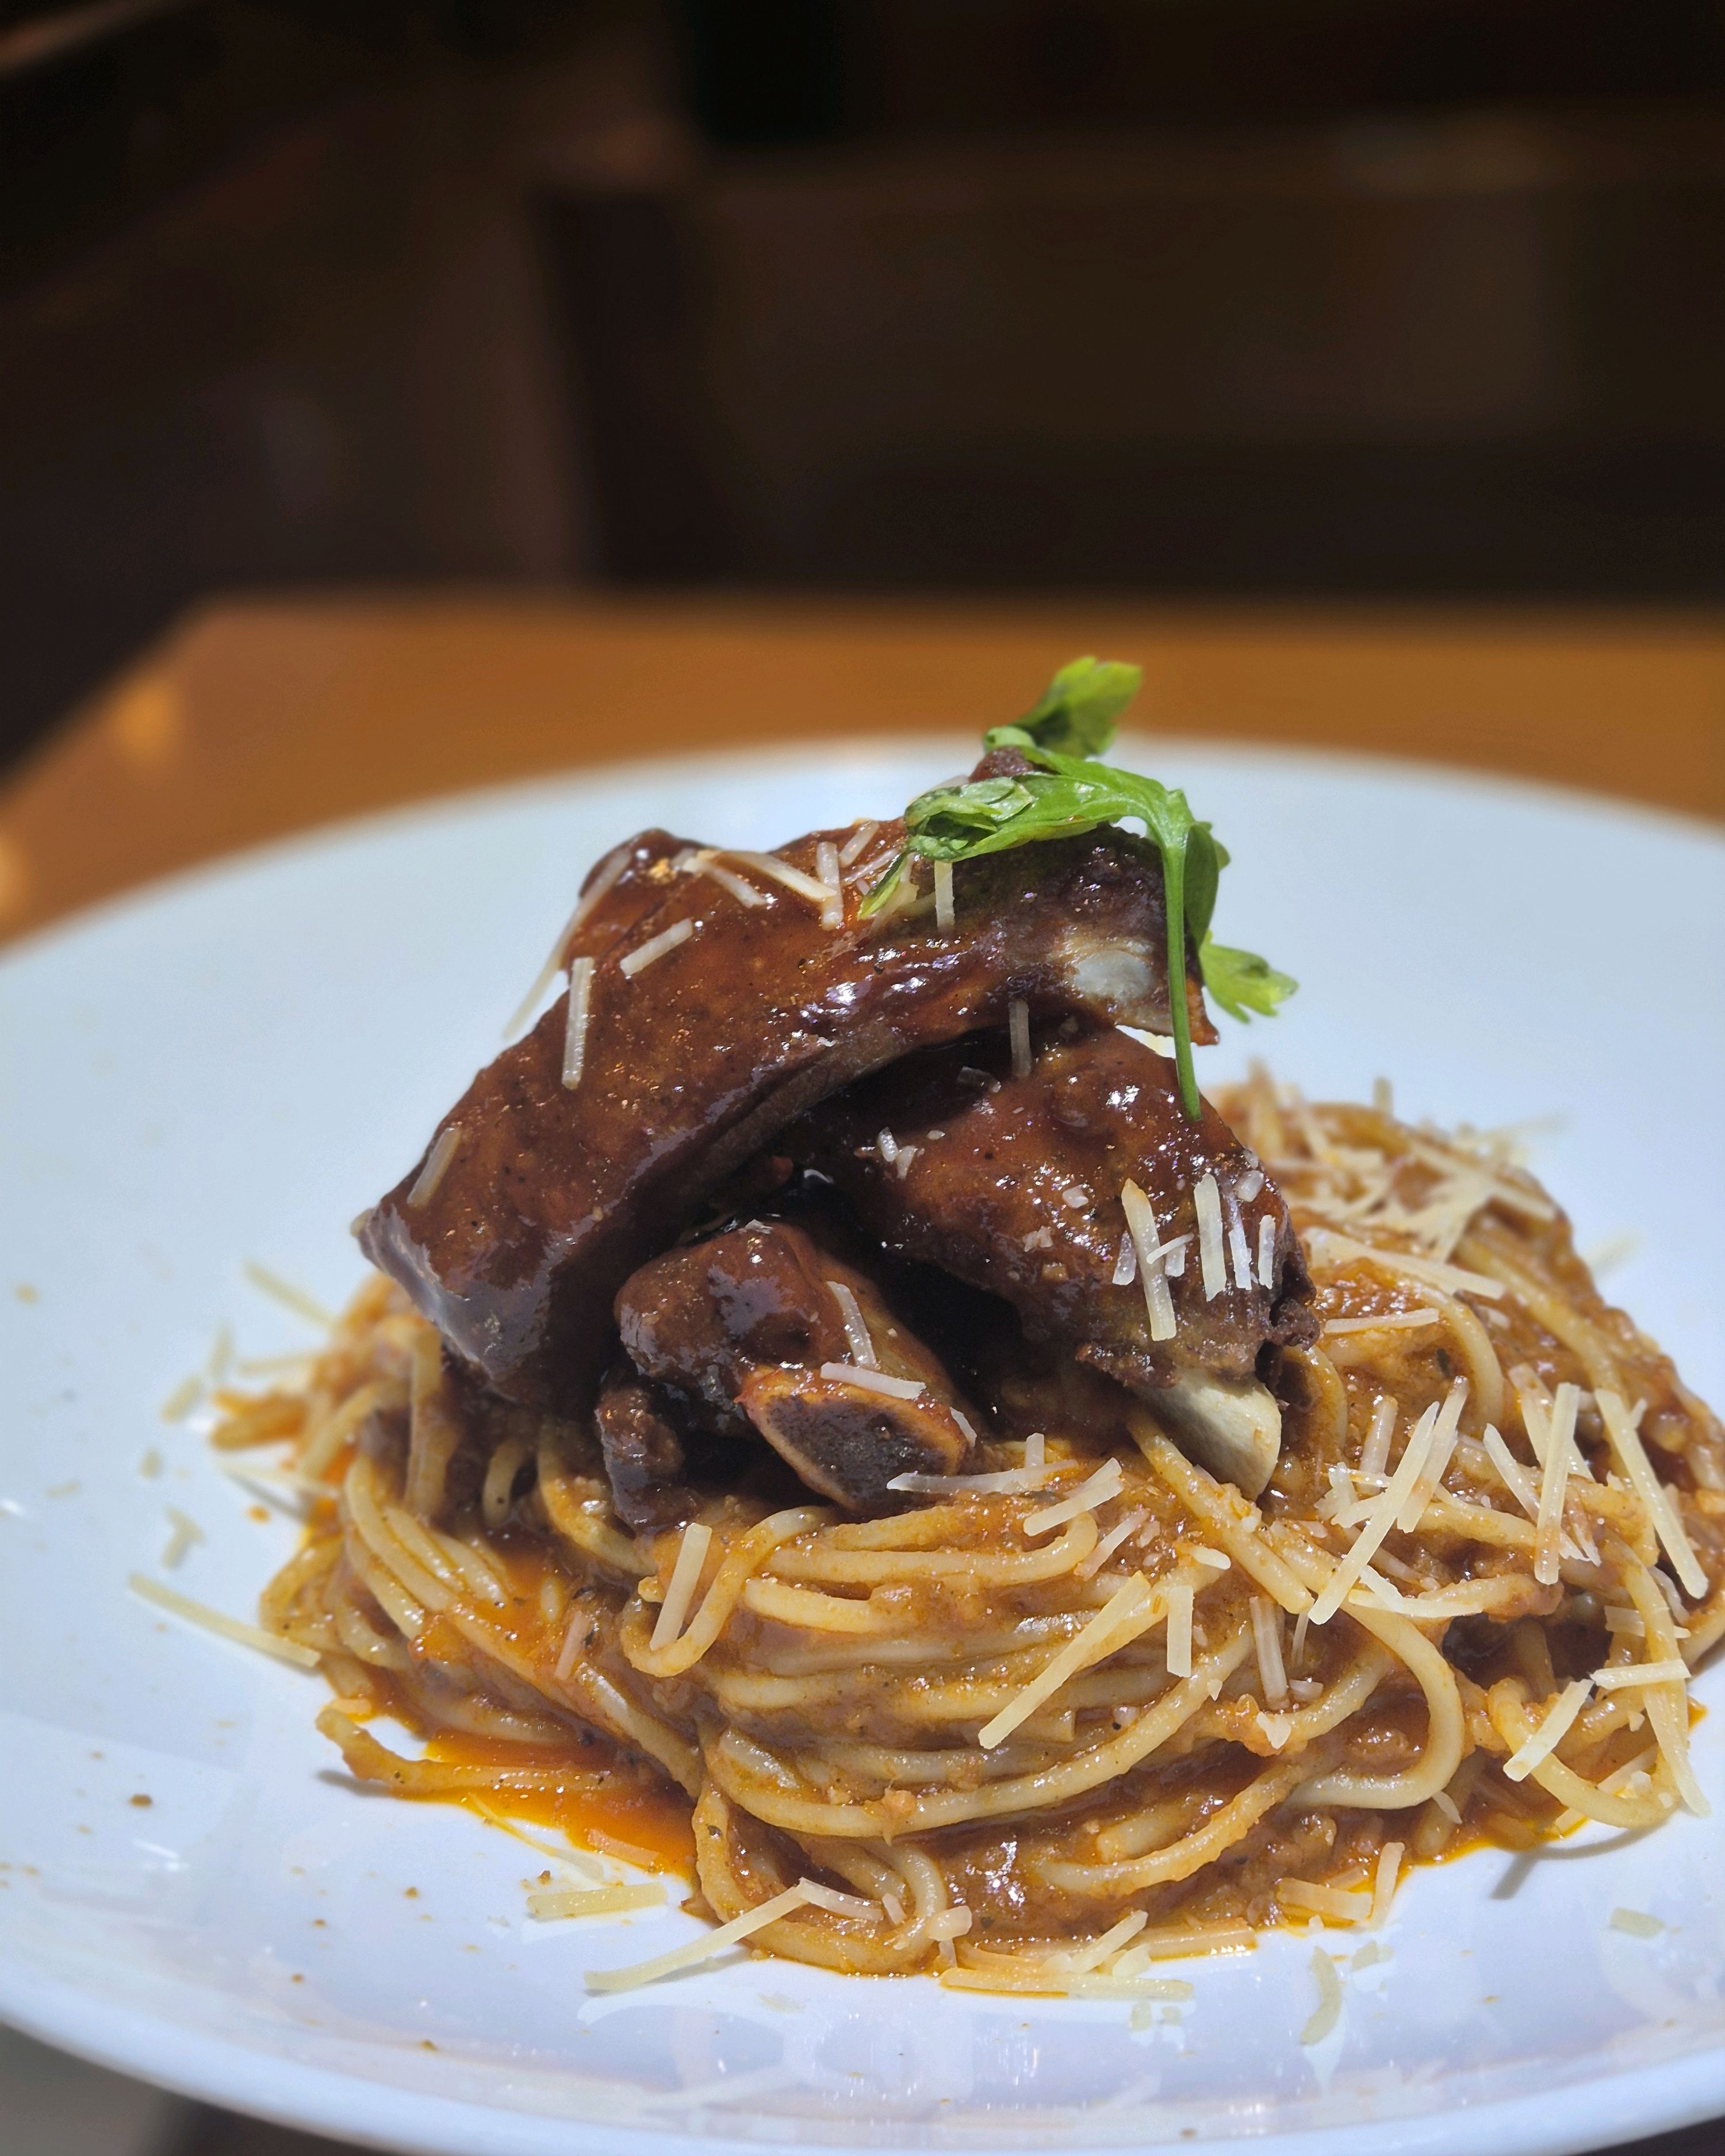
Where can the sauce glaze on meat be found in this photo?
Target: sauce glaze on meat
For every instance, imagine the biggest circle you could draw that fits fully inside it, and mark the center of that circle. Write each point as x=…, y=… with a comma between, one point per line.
x=554, y=1196
x=765, y=1038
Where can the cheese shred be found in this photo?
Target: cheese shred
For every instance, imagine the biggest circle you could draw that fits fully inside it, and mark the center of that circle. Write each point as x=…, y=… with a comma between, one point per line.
x=1656, y=1500
x=1329, y=2001
x=1212, y=1259
x=580, y=1011
x=1093, y=1644
x=1554, y=1725
x=224, y=1627
x=704, y=1949
x=1017, y=1028
x=1159, y=1297
x=685, y=1578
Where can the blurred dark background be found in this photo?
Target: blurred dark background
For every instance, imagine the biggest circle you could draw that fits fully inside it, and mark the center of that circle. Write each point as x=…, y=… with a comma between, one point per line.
x=1217, y=297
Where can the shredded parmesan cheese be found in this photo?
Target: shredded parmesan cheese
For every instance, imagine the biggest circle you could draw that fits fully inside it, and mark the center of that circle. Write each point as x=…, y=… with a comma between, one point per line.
x=226, y=1628
x=945, y=916
x=1240, y=1251
x=1091, y=1565
x=184, y=1397
x=700, y=1950
x=873, y=1381
x=1213, y=1264
x=1379, y=1521
x=580, y=1010
x=1095, y=1490
x=1339, y=1905
x=1391, y=1321
x=548, y=1903
x=447, y=1145
x=1178, y=1601
x=1175, y=1942
x=1553, y=1482
x=1383, y=1881
x=1636, y=1922
x=1098, y=1639
x=829, y=872
x=285, y=1293
x=1329, y=2001
x=1079, y=1961
x=1617, y=1675
x=1267, y=1635
x=604, y=876
x=857, y=844
x=1010, y=1482
x=739, y=889
x=572, y=1640
x=1514, y=1477
x=1266, y=1251
x=655, y=946
x=186, y=1535
x=1140, y=1224
x=1554, y=1725
x=1374, y=1454
x=856, y=1330
x=685, y=1578
x=793, y=878
x=1018, y=1027
x=1656, y=1500
x=842, y=1905
x=1126, y=1265
x=1437, y=1458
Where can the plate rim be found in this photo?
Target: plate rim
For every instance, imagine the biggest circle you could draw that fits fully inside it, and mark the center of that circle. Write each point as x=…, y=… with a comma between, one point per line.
x=1594, y=2113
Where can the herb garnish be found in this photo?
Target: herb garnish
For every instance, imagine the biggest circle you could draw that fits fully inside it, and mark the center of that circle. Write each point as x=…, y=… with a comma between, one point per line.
x=1069, y=792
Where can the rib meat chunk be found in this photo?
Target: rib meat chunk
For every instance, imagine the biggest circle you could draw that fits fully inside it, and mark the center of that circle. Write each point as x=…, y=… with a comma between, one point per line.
x=646, y=1461
x=1013, y=1183
x=759, y=1328
x=553, y=1194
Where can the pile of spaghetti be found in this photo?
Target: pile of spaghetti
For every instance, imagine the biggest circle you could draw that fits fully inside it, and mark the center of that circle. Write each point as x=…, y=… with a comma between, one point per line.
x=1094, y=1708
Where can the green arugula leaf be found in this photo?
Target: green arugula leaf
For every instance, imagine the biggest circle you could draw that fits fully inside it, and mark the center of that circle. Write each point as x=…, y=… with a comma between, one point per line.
x=1067, y=795
x=1241, y=981
x=1076, y=714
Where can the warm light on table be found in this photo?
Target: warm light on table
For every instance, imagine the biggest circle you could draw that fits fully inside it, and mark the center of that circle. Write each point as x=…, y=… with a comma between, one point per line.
x=259, y=718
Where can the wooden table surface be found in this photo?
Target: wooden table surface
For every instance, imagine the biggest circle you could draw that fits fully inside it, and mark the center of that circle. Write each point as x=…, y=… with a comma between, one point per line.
x=258, y=718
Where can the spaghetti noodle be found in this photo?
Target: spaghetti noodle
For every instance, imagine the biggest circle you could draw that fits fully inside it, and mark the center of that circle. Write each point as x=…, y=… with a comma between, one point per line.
x=1042, y=1732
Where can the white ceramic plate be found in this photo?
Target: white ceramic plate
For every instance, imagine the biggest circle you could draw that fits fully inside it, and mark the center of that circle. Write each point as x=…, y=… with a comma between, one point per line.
x=232, y=1066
